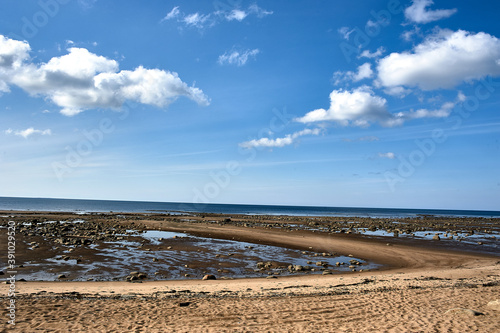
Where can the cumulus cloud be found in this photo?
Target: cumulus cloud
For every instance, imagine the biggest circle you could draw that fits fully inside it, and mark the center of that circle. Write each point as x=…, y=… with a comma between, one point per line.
x=444, y=60
x=359, y=107
x=238, y=58
x=388, y=155
x=82, y=80
x=418, y=12
x=28, y=132
x=201, y=21
x=279, y=142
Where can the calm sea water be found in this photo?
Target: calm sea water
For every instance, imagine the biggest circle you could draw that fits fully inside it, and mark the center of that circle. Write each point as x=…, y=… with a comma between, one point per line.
x=85, y=206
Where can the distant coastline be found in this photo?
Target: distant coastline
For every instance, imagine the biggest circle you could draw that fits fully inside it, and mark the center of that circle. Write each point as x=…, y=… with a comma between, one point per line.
x=101, y=206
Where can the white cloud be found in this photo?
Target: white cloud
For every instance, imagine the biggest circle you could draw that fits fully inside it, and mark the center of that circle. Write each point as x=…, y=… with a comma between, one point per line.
x=443, y=112
x=237, y=58
x=397, y=91
x=418, y=13
x=202, y=21
x=345, y=32
x=12, y=55
x=364, y=72
x=236, y=14
x=258, y=11
x=443, y=60
x=358, y=107
x=28, y=132
x=196, y=20
x=369, y=138
x=172, y=14
x=279, y=142
x=388, y=155
x=82, y=80
x=376, y=54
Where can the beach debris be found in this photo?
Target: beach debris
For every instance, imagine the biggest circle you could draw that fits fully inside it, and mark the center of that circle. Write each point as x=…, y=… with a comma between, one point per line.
x=209, y=277
x=494, y=305
x=467, y=312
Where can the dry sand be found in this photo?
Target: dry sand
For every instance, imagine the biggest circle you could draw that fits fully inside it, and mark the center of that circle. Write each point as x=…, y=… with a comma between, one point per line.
x=422, y=290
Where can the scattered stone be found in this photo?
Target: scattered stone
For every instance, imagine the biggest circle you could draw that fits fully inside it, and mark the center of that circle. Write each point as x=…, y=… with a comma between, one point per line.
x=494, y=305
x=209, y=277
x=436, y=237
x=467, y=312
x=61, y=276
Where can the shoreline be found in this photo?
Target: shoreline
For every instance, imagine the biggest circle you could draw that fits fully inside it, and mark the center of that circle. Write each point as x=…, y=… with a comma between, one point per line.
x=433, y=280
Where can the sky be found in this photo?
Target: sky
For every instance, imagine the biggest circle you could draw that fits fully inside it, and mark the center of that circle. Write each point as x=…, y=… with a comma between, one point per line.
x=362, y=103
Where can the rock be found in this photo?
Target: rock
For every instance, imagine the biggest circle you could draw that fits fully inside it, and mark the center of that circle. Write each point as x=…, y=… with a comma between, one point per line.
x=436, y=237
x=298, y=268
x=271, y=277
x=209, y=277
x=327, y=273
x=61, y=276
x=467, y=312
x=494, y=305
x=184, y=303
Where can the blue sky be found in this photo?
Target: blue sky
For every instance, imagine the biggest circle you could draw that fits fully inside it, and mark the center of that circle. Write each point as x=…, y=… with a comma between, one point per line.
x=329, y=103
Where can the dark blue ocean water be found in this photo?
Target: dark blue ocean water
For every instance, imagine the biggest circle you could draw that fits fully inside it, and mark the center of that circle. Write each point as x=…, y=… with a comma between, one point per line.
x=85, y=206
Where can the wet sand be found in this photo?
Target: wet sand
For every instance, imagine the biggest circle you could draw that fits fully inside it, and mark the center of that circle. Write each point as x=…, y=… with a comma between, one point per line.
x=420, y=286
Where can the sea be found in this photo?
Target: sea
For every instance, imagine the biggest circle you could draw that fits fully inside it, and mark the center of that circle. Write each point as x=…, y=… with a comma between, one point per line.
x=105, y=206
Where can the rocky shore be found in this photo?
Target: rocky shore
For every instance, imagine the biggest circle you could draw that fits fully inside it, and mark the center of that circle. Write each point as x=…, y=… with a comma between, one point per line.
x=190, y=272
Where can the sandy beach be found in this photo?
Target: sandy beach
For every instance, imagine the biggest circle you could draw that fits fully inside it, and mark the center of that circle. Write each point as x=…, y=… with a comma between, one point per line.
x=418, y=285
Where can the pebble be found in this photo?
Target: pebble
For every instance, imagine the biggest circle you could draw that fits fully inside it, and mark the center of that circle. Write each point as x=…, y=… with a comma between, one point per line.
x=494, y=305
x=468, y=312
x=209, y=277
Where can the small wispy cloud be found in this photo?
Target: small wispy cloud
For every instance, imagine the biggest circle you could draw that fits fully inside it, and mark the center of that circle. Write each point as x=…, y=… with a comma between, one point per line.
x=418, y=12
x=364, y=72
x=368, y=138
x=388, y=155
x=238, y=58
x=201, y=21
x=28, y=132
x=370, y=55
x=279, y=142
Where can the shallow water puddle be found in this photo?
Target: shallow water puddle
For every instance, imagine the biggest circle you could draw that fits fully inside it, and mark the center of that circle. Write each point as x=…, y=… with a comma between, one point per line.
x=165, y=255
